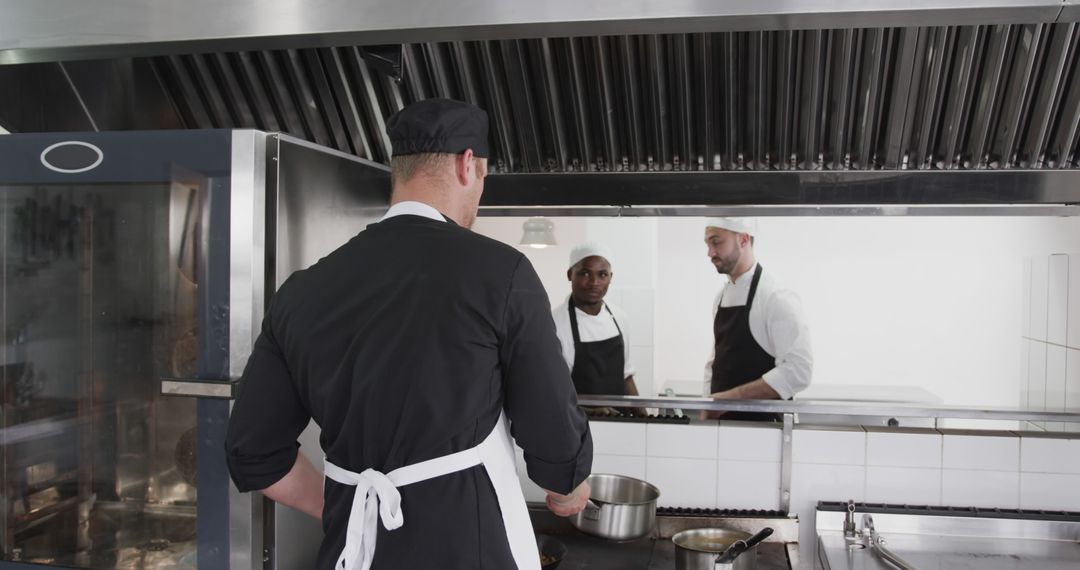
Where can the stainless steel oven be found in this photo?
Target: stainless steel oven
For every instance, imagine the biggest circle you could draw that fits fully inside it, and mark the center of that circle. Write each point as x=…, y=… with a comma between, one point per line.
x=136, y=266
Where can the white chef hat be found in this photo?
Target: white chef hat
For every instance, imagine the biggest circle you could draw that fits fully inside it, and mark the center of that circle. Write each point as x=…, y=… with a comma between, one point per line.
x=737, y=225
x=588, y=249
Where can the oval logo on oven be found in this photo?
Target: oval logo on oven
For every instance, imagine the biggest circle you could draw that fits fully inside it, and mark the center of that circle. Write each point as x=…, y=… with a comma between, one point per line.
x=71, y=157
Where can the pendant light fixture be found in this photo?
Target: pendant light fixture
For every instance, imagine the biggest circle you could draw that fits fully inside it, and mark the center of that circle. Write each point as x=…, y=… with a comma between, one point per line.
x=539, y=233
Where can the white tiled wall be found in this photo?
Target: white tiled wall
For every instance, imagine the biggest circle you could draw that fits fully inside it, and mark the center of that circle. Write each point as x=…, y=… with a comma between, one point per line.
x=829, y=447
x=620, y=465
x=889, y=449
x=812, y=482
x=683, y=482
x=748, y=485
x=737, y=465
x=1050, y=491
x=826, y=466
x=980, y=488
x=981, y=471
x=749, y=467
x=903, y=467
x=745, y=443
x=981, y=452
x=905, y=485
x=1050, y=455
x=683, y=441
x=614, y=438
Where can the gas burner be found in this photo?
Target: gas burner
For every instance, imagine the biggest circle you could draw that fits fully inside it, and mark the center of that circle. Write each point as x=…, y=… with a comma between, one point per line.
x=633, y=417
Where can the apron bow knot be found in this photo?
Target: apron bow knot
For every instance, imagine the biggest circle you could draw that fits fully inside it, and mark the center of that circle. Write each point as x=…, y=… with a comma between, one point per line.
x=376, y=497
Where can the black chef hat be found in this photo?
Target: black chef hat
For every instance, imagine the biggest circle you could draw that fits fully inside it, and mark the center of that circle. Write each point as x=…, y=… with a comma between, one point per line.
x=439, y=126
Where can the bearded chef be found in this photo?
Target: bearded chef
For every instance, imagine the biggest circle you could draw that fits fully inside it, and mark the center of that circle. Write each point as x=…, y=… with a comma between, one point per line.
x=761, y=342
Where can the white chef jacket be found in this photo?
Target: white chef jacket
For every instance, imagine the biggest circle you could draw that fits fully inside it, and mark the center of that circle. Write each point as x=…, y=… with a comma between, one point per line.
x=592, y=329
x=778, y=325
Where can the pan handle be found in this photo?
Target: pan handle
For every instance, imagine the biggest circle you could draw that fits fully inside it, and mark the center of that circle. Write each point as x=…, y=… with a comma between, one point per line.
x=739, y=546
x=760, y=536
x=592, y=510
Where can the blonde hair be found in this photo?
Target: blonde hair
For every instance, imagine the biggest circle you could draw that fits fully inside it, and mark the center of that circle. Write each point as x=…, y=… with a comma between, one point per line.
x=404, y=168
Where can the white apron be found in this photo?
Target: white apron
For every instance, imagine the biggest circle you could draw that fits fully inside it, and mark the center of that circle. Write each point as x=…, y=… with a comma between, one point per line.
x=377, y=497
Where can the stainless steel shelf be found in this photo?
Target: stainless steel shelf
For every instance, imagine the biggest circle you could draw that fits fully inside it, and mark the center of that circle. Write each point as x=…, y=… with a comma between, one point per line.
x=830, y=407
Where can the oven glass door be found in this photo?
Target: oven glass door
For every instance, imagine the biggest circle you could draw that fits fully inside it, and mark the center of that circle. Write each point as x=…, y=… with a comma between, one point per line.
x=113, y=280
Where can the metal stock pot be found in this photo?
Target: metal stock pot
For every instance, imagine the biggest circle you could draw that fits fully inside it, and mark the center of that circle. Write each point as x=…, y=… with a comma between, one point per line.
x=622, y=508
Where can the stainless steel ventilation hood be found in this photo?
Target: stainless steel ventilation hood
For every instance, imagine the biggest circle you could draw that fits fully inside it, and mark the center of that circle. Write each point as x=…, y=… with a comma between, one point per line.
x=805, y=107
x=51, y=30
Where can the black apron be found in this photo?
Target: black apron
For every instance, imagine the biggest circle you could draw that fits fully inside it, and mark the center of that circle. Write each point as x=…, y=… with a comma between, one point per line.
x=739, y=359
x=598, y=366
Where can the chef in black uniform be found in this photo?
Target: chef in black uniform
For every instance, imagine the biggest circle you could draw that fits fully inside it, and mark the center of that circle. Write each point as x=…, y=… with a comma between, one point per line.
x=761, y=348
x=592, y=332
x=417, y=347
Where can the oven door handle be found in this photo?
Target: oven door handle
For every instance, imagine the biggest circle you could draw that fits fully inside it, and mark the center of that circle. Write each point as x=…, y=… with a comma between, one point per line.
x=200, y=388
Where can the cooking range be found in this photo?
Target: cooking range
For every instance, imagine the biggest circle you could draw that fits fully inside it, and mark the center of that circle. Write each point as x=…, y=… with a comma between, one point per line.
x=657, y=552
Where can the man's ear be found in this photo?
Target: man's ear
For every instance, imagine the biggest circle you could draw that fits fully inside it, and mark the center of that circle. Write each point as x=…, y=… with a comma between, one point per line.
x=465, y=168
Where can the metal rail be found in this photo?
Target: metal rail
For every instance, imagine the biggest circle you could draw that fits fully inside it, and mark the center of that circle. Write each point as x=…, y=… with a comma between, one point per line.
x=831, y=407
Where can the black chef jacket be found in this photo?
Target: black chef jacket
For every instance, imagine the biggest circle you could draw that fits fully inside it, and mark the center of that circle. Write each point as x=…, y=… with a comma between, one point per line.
x=404, y=345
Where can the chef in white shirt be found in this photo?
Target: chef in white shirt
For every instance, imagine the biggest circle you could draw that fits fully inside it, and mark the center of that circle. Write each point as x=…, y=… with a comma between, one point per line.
x=761, y=342
x=593, y=334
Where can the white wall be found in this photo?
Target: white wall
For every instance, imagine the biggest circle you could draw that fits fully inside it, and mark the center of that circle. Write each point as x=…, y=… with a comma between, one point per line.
x=1050, y=334
x=927, y=302
x=907, y=301
x=550, y=262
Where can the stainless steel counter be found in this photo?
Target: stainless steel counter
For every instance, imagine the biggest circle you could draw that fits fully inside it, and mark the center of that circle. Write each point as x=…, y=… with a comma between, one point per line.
x=955, y=553
x=926, y=538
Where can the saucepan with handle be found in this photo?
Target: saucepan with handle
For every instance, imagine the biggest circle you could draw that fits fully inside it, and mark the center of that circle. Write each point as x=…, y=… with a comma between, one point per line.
x=717, y=549
x=621, y=509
